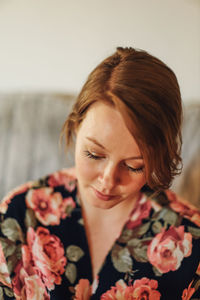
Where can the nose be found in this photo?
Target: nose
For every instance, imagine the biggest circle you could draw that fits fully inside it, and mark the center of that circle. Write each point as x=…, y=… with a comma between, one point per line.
x=108, y=178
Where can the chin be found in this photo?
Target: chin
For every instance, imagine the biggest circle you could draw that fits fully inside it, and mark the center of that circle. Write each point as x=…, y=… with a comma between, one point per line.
x=103, y=204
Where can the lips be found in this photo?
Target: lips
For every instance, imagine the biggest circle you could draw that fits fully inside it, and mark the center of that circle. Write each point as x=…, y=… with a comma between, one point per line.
x=104, y=197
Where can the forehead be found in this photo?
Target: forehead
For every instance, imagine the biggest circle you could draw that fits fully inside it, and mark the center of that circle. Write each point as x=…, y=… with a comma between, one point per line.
x=106, y=124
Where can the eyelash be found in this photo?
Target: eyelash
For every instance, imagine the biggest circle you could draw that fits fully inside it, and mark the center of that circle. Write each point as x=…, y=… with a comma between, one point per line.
x=92, y=156
x=96, y=157
x=135, y=170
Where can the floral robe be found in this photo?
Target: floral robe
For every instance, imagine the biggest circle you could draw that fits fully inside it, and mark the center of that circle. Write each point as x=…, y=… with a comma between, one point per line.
x=44, y=251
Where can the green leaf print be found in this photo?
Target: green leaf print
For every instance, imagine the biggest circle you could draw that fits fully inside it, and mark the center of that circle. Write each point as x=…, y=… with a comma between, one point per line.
x=138, y=248
x=169, y=216
x=125, y=236
x=71, y=272
x=30, y=219
x=8, y=246
x=197, y=284
x=195, y=232
x=74, y=253
x=69, y=209
x=141, y=230
x=11, y=228
x=8, y=292
x=14, y=258
x=1, y=293
x=121, y=259
x=157, y=227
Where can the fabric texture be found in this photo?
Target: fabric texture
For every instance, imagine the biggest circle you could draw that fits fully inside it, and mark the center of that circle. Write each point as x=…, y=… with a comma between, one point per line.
x=44, y=252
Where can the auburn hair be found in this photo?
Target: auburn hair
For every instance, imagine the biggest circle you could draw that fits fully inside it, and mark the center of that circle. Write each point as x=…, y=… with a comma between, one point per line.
x=147, y=93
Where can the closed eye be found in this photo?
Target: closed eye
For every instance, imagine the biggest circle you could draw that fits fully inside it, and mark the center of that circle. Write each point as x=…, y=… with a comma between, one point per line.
x=92, y=156
x=97, y=157
x=135, y=170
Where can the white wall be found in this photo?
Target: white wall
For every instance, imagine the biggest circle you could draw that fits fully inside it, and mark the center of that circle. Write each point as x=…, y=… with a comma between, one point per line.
x=52, y=45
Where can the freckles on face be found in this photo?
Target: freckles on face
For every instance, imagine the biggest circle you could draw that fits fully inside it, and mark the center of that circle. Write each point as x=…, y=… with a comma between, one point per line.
x=109, y=164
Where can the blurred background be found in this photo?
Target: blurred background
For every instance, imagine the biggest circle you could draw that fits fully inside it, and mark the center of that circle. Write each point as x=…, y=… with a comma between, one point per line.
x=47, y=49
x=51, y=45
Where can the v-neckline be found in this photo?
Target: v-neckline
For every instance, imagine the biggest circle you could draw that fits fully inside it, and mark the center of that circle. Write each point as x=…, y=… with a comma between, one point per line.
x=108, y=253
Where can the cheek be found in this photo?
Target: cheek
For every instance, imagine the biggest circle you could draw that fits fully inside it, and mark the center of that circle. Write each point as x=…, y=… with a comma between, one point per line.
x=142, y=180
x=84, y=169
x=137, y=183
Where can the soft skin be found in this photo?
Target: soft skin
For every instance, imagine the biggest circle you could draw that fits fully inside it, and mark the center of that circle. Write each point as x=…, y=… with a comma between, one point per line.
x=109, y=165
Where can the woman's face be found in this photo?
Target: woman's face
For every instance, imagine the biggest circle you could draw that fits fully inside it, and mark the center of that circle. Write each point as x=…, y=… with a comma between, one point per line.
x=109, y=165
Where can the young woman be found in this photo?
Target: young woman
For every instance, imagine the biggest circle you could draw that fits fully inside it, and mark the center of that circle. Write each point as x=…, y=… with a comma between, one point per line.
x=109, y=228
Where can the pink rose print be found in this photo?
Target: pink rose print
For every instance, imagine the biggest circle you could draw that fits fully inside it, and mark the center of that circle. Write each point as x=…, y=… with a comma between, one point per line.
x=61, y=178
x=185, y=209
x=198, y=270
x=47, y=255
x=27, y=285
x=49, y=207
x=140, y=212
x=4, y=204
x=4, y=273
x=145, y=289
x=141, y=289
x=18, y=190
x=83, y=290
x=116, y=292
x=187, y=293
x=168, y=248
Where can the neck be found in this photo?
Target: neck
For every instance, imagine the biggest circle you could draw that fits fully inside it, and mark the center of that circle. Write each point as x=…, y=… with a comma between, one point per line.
x=118, y=213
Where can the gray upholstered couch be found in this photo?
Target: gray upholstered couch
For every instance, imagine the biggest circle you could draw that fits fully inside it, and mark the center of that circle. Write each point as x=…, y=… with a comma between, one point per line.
x=30, y=126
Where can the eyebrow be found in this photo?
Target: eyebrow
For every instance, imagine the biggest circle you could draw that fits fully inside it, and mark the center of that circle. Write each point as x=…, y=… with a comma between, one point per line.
x=101, y=146
x=95, y=142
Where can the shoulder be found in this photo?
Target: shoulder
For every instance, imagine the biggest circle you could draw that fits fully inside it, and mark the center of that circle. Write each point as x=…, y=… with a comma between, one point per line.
x=182, y=207
x=176, y=240
x=27, y=236
x=175, y=216
x=168, y=201
x=163, y=235
x=179, y=223
x=46, y=196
